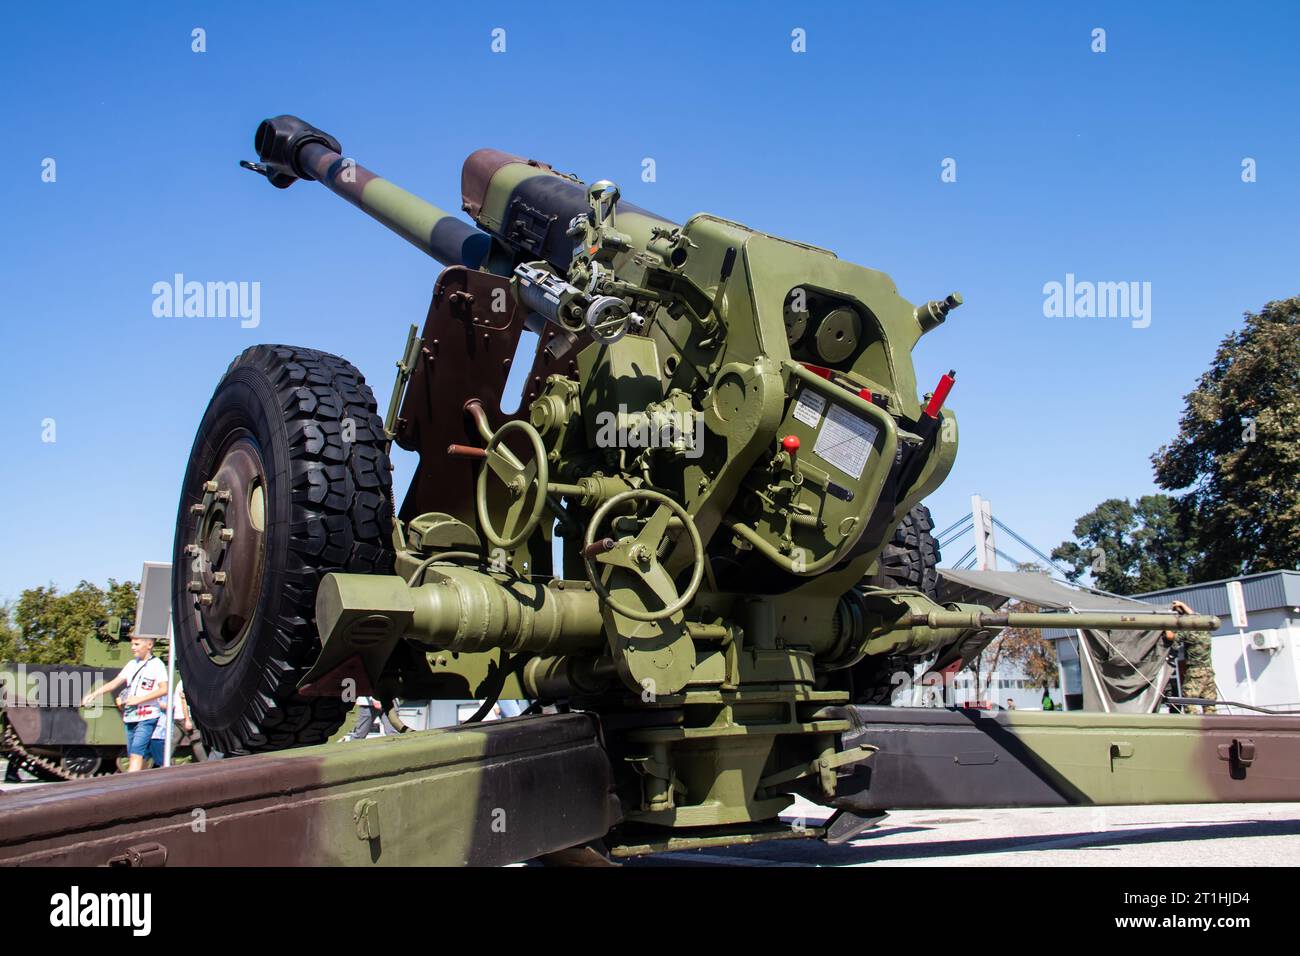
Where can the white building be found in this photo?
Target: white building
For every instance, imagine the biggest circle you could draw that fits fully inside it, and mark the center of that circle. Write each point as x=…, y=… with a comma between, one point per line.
x=1258, y=663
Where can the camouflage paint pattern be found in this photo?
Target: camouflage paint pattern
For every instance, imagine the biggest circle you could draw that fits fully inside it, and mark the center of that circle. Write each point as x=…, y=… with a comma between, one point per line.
x=424, y=225
x=1198, y=672
x=514, y=790
x=478, y=795
x=528, y=206
x=931, y=758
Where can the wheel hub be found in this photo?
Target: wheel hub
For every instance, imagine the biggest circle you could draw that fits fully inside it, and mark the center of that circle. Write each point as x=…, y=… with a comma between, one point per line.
x=226, y=553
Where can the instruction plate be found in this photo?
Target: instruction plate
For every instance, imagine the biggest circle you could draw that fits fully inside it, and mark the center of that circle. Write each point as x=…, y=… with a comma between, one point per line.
x=809, y=408
x=845, y=441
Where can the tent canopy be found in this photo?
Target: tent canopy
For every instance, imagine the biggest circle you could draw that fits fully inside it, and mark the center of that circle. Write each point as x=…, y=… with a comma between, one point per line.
x=1123, y=671
x=1002, y=586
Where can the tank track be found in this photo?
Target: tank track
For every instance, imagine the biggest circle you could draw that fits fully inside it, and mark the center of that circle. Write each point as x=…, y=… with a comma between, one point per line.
x=46, y=770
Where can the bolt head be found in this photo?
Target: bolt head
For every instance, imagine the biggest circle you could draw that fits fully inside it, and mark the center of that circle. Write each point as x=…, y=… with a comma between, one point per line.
x=227, y=534
x=219, y=577
x=205, y=600
x=195, y=587
x=209, y=486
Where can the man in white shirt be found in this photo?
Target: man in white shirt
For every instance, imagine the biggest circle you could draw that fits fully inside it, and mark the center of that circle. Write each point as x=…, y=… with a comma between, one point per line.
x=145, y=680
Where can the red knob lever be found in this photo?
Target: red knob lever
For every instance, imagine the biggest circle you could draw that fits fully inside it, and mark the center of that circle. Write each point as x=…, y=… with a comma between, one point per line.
x=940, y=394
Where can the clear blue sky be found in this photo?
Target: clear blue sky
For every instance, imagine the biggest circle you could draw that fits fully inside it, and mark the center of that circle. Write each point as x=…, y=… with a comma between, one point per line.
x=1118, y=166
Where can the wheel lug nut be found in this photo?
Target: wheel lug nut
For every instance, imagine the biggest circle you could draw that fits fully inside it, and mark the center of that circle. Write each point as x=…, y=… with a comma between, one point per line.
x=227, y=534
x=223, y=495
x=197, y=508
x=195, y=587
x=219, y=577
x=205, y=600
x=191, y=549
x=209, y=486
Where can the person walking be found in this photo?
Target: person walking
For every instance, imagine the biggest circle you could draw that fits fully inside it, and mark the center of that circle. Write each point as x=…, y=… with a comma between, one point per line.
x=178, y=712
x=145, y=681
x=368, y=710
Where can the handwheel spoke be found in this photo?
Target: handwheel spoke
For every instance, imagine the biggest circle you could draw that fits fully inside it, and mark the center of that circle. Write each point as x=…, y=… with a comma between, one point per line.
x=510, y=525
x=502, y=467
x=639, y=555
x=619, y=556
x=655, y=528
x=524, y=511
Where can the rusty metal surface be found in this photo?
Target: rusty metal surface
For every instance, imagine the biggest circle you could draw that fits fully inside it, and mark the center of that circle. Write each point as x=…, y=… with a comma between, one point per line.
x=484, y=795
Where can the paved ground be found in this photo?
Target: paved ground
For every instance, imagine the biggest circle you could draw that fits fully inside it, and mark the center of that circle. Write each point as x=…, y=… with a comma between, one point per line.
x=1229, y=834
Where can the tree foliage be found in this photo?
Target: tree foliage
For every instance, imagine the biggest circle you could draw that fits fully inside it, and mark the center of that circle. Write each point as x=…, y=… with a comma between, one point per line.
x=8, y=633
x=1131, y=548
x=1024, y=648
x=1236, y=457
x=52, y=627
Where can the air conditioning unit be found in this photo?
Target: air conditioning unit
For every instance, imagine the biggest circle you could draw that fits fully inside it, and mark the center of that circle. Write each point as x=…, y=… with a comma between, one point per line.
x=1265, y=640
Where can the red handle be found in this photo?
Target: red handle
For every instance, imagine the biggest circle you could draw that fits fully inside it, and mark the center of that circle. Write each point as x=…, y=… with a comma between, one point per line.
x=940, y=394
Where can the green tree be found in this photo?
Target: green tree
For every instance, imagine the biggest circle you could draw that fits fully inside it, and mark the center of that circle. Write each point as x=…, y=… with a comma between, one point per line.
x=52, y=627
x=1237, y=453
x=8, y=633
x=1132, y=547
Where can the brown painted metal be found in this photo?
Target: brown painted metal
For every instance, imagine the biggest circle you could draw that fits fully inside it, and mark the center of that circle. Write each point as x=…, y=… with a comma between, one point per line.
x=233, y=546
x=477, y=172
x=484, y=795
x=466, y=352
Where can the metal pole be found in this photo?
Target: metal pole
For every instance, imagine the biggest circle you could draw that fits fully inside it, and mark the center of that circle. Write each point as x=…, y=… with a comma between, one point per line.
x=1245, y=663
x=171, y=694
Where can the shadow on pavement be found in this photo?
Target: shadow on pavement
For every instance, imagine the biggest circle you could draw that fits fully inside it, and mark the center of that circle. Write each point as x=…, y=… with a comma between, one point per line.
x=867, y=850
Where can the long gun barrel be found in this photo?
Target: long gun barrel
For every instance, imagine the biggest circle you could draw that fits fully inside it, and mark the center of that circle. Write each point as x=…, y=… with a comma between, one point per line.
x=1113, y=620
x=290, y=149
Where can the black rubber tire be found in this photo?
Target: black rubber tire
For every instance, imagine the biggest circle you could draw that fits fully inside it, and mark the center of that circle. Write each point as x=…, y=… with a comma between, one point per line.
x=911, y=559
x=327, y=508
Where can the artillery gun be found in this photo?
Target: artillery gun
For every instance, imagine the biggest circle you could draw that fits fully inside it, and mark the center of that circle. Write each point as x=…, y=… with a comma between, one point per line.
x=699, y=535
